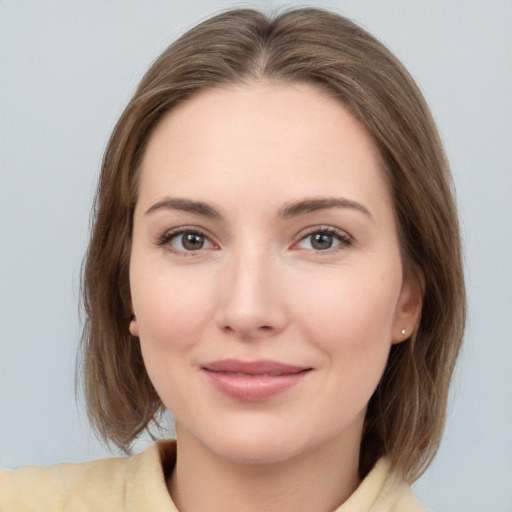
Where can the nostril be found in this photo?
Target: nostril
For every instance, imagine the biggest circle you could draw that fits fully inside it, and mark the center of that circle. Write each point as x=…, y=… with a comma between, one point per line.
x=248, y=314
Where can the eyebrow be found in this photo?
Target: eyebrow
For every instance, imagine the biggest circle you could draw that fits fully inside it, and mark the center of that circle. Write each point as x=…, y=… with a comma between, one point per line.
x=290, y=210
x=186, y=205
x=314, y=204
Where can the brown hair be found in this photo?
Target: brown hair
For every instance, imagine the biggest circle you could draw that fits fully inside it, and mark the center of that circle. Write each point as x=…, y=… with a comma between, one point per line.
x=406, y=414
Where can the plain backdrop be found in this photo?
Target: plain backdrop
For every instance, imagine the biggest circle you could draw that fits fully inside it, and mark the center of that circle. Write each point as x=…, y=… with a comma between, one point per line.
x=68, y=68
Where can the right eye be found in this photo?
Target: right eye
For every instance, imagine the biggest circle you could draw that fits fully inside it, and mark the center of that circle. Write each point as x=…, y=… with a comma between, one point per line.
x=185, y=241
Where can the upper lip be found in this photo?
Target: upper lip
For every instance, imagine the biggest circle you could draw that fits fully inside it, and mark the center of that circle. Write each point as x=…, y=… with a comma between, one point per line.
x=259, y=367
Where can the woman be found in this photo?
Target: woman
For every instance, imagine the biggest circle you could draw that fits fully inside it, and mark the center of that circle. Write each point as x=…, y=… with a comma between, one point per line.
x=275, y=259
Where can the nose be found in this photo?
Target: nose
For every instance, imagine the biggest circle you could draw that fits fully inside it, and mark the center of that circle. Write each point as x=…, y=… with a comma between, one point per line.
x=251, y=301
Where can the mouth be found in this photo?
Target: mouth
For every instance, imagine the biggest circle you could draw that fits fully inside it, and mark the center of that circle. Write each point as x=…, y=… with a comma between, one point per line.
x=253, y=381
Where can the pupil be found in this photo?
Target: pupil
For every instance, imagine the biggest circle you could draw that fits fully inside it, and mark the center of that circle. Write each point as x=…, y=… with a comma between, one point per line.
x=322, y=241
x=193, y=242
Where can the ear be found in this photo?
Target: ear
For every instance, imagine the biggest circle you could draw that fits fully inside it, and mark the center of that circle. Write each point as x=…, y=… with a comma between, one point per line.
x=408, y=309
x=134, y=327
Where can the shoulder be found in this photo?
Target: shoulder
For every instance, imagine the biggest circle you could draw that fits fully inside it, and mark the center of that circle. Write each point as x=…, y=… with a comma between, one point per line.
x=61, y=486
x=383, y=491
x=80, y=487
x=404, y=500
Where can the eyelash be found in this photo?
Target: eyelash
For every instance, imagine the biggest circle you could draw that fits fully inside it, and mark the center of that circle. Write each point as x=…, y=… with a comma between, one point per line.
x=167, y=237
x=344, y=239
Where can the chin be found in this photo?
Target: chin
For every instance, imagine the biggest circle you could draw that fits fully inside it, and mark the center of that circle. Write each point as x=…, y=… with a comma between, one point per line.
x=256, y=442
x=266, y=450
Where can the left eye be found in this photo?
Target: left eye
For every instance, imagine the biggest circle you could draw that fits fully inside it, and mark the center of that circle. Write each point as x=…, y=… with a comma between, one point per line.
x=323, y=240
x=189, y=241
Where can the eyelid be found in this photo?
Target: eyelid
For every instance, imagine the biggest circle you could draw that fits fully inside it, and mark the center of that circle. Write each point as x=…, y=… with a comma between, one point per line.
x=346, y=240
x=165, y=239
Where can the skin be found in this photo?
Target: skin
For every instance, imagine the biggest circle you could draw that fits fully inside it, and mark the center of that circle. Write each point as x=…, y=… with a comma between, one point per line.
x=258, y=289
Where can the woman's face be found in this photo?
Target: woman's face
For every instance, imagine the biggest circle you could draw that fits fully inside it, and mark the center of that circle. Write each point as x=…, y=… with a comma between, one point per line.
x=265, y=272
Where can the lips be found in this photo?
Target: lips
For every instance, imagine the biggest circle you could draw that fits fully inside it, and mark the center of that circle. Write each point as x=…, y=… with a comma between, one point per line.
x=253, y=381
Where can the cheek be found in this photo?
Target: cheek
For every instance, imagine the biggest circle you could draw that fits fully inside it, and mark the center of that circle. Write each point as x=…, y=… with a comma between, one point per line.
x=172, y=310
x=350, y=321
x=169, y=307
x=354, y=307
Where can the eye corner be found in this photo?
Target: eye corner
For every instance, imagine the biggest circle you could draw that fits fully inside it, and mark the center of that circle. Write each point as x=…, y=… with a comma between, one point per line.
x=174, y=242
x=328, y=240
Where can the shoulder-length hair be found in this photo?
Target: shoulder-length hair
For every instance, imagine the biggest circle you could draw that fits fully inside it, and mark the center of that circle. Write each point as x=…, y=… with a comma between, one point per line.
x=406, y=414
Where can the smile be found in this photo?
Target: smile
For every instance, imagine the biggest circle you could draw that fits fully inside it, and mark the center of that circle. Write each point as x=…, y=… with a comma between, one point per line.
x=252, y=381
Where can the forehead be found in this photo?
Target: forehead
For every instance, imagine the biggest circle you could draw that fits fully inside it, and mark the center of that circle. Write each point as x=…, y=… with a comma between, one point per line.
x=288, y=137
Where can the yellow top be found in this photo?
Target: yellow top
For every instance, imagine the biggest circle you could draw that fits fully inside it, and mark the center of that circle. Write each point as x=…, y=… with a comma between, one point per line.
x=138, y=484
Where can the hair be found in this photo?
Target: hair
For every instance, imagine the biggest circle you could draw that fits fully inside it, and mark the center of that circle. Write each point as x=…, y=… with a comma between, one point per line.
x=406, y=414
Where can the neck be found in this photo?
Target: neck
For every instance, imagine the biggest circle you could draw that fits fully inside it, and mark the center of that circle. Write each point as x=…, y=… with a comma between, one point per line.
x=320, y=480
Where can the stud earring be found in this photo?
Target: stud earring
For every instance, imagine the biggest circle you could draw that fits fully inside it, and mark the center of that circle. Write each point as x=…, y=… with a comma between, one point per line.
x=403, y=332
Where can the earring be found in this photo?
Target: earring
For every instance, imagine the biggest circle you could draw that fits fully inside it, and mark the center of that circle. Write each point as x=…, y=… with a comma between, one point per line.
x=403, y=332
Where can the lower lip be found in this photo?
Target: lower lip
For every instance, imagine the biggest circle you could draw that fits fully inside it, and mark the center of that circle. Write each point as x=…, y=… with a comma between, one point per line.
x=253, y=388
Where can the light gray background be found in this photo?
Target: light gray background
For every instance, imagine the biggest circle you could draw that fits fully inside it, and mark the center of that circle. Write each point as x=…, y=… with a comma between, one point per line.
x=68, y=68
